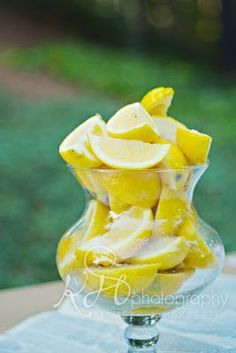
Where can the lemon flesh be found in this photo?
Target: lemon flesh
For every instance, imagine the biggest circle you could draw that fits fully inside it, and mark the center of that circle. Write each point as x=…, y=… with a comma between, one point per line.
x=138, y=189
x=66, y=260
x=116, y=205
x=75, y=149
x=194, y=145
x=200, y=255
x=168, y=252
x=166, y=283
x=132, y=122
x=119, y=281
x=167, y=127
x=88, y=179
x=158, y=100
x=127, y=154
x=176, y=174
x=127, y=235
x=170, y=213
x=96, y=220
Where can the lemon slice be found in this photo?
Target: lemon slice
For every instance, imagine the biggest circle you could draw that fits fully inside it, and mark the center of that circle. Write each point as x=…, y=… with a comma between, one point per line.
x=200, y=255
x=127, y=154
x=166, y=283
x=88, y=179
x=168, y=252
x=96, y=220
x=176, y=174
x=116, y=205
x=158, y=100
x=140, y=189
x=167, y=128
x=75, y=149
x=170, y=213
x=66, y=260
x=132, y=122
x=122, y=281
x=194, y=145
x=127, y=234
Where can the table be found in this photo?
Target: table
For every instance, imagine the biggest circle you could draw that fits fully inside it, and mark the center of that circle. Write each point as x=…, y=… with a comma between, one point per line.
x=18, y=303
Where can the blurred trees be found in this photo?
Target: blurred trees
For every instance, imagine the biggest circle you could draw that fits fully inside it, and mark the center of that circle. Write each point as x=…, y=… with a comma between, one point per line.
x=201, y=29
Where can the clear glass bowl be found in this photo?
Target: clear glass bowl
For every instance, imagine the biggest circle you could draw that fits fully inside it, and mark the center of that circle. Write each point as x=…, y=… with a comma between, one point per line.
x=139, y=249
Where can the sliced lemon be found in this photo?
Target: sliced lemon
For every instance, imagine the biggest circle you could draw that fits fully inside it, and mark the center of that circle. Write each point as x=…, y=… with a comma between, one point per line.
x=140, y=189
x=166, y=283
x=132, y=122
x=96, y=220
x=66, y=260
x=200, y=255
x=170, y=213
x=194, y=145
x=88, y=179
x=127, y=154
x=116, y=205
x=168, y=252
x=167, y=127
x=126, y=236
x=122, y=281
x=75, y=149
x=158, y=100
x=176, y=174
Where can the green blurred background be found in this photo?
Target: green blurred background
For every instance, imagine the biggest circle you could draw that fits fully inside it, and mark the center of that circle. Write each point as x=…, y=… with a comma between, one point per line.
x=63, y=61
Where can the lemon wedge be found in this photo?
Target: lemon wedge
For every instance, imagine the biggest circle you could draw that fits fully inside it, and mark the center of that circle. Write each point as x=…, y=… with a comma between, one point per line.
x=176, y=174
x=193, y=144
x=166, y=283
x=200, y=255
x=66, y=260
x=96, y=220
x=122, y=281
x=88, y=179
x=158, y=100
x=140, y=189
x=116, y=205
x=127, y=234
x=168, y=252
x=75, y=149
x=132, y=122
x=167, y=127
x=170, y=213
x=127, y=154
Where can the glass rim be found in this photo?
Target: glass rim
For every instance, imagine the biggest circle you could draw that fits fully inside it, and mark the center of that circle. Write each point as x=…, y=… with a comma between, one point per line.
x=157, y=169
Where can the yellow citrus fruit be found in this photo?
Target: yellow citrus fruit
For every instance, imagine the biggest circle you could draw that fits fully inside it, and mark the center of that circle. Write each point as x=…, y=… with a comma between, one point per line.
x=168, y=252
x=139, y=189
x=158, y=100
x=116, y=205
x=132, y=122
x=66, y=260
x=126, y=236
x=200, y=254
x=194, y=145
x=167, y=127
x=88, y=179
x=167, y=283
x=96, y=220
x=122, y=281
x=175, y=174
x=170, y=213
x=127, y=154
x=75, y=149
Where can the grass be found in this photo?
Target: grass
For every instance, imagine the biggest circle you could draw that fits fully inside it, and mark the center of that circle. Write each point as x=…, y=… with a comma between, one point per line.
x=41, y=199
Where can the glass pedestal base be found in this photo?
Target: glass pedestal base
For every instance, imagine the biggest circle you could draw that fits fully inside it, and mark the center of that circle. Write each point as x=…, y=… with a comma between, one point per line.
x=142, y=333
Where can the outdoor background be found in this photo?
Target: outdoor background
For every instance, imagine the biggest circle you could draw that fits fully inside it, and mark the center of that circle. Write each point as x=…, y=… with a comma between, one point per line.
x=63, y=61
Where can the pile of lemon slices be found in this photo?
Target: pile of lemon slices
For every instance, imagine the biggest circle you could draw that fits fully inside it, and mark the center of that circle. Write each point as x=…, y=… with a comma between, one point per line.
x=140, y=227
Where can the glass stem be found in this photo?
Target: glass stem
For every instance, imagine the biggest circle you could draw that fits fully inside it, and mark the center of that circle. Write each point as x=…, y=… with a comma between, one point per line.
x=142, y=333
